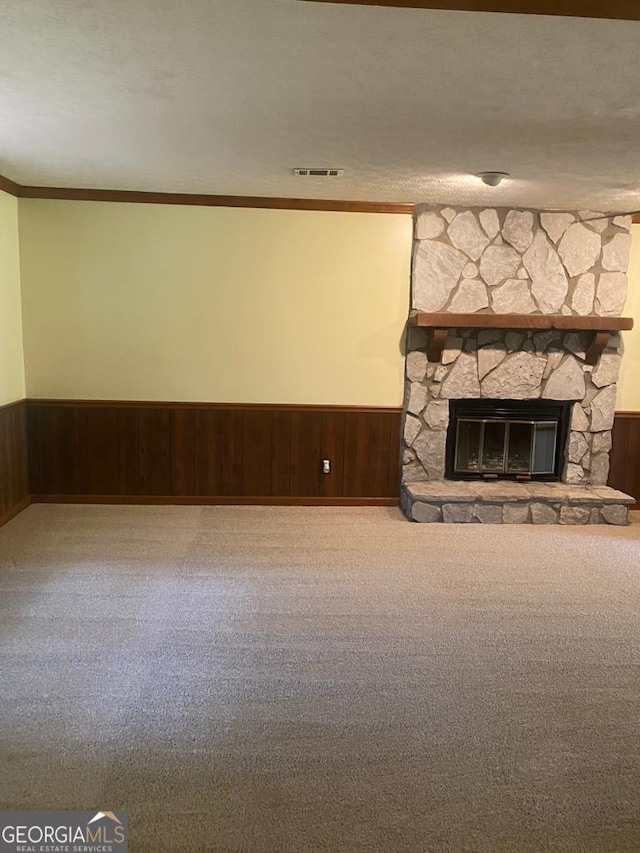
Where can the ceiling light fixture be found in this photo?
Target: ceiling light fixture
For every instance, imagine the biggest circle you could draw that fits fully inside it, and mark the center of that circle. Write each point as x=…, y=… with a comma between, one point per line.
x=492, y=179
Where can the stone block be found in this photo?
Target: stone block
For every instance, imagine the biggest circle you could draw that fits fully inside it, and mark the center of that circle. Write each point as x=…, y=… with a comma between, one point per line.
x=549, y=283
x=579, y=419
x=574, y=473
x=599, y=471
x=601, y=442
x=436, y=271
x=457, y=513
x=574, y=515
x=490, y=222
x=462, y=381
x=513, y=513
x=429, y=225
x=518, y=377
x=611, y=294
x=513, y=341
x=499, y=263
x=567, y=382
x=416, y=366
x=583, y=294
x=465, y=234
x=577, y=447
x=430, y=447
x=607, y=369
x=615, y=253
x=413, y=473
x=518, y=229
x=470, y=271
x=488, y=513
x=543, y=514
x=512, y=297
x=437, y=414
x=615, y=514
x=426, y=513
x=412, y=429
x=541, y=340
x=579, y=249
x=603, y=409
x=440, y=372
x=471, y=296
x=417, y=398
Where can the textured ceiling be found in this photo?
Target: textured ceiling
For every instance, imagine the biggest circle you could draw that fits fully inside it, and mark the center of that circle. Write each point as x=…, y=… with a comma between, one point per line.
x=226, y=96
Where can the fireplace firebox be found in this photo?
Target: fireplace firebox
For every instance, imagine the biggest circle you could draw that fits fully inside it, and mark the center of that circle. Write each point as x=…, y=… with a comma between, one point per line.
x=507, y=439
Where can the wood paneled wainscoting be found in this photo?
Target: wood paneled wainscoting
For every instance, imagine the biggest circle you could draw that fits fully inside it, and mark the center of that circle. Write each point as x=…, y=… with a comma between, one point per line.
x=625, y=455
x=14, y=481
x=123, y=452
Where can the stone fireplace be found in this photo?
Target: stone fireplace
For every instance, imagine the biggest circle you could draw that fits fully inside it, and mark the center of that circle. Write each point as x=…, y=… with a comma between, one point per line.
x=515, y=313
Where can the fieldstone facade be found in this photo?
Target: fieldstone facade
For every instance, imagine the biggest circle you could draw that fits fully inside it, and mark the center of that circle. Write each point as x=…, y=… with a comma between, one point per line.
x=484, y=261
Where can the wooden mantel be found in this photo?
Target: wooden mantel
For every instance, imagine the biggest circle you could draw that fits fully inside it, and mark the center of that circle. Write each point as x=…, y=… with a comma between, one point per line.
x=439, y=324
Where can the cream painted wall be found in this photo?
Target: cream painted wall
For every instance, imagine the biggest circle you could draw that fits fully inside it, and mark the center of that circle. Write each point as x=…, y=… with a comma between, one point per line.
x=161, y=302
x=629, y=384
x=12, y=385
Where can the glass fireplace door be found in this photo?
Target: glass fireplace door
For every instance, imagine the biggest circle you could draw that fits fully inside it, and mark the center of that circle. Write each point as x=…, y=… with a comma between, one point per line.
x=498, y=447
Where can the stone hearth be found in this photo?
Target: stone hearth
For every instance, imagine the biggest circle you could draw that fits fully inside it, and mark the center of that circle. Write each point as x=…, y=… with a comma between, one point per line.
x=489, y=261
x=514, y=503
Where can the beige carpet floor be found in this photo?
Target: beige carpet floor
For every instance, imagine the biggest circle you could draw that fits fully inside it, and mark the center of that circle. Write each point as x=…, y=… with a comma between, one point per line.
x=267, y=680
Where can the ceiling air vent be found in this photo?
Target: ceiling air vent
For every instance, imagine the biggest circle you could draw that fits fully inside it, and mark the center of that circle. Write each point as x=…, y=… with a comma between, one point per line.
x=318, y=173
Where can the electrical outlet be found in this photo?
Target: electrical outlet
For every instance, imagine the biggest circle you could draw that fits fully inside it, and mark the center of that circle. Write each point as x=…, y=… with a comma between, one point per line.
x=326, y=466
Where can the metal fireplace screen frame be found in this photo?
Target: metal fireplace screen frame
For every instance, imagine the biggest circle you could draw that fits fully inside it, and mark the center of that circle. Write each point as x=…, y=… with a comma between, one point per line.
x=537, y=414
